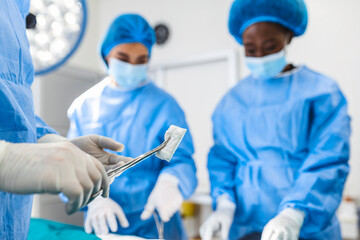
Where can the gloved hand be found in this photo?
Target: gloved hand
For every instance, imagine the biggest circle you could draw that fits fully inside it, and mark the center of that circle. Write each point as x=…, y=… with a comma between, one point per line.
x=94, y=145
x=220, y=220
x=166, y=198
x=101, y=216
x=51, y=168
x=285, y=226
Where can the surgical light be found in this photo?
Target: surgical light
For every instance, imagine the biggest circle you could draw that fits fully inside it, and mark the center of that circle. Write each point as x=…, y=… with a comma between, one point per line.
x=55, y=29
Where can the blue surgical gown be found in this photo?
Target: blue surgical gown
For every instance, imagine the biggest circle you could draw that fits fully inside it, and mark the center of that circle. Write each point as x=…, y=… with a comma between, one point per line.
x=279, y=143
x=18, y=123
x=138, y=118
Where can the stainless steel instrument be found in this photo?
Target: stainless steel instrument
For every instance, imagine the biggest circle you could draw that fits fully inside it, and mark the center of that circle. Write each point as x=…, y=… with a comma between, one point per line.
x=159, y=225
x=117, y=171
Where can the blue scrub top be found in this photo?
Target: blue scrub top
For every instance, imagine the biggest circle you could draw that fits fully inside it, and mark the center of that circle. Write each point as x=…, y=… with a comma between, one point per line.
x=138, y=118
x=282, y=142
x=18, y=123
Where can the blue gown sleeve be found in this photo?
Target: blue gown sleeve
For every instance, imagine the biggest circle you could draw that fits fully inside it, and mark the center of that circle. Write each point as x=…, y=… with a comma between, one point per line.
x=221, y=162
x=42, y=128
x=320, y=180
x=182, y=164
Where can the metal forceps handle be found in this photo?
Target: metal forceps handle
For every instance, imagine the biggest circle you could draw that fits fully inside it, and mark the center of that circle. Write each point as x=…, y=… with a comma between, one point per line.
x=117, y=171
x=159, y=225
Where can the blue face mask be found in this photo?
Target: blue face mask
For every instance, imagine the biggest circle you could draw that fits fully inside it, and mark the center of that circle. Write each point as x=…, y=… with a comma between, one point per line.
x=266, y=67
x=127, y=75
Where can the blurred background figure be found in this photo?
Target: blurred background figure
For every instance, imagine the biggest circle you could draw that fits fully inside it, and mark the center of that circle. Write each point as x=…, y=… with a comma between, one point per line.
x=280, y=158
x=128, y=106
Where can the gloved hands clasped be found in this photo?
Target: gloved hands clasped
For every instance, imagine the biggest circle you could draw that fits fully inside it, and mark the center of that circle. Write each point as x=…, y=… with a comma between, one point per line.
x=285, y=226
x=51, y=168
x=220, y=220
x=103, y=213
x=58, y=165
x=166, y=198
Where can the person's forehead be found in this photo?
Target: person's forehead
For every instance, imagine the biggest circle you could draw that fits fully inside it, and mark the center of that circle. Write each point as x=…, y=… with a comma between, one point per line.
x=135, y=45
x=263, y=29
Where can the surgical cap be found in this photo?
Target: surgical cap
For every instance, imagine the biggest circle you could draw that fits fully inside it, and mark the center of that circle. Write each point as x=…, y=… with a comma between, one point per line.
x=291, y=14
x=127, y=28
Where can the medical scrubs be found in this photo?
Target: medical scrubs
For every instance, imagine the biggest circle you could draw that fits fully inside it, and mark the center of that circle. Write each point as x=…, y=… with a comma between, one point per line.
x=282, y=142
x=138, y=118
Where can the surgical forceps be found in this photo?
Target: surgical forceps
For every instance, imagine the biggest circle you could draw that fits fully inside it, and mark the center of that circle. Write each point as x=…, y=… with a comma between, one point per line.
x=117, y=171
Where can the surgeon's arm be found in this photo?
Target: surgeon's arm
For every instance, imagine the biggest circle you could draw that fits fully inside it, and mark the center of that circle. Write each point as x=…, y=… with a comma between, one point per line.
x=318, y=188
x=221, y=165
x=51, y=168
x=182, y=164
x=221, y=162
x=177, y=180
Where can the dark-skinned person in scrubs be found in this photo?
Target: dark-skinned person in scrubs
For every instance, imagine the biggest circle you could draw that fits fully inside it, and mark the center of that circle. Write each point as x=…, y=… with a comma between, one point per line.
x=280, y=158
x=33, y=158
x=127, y=106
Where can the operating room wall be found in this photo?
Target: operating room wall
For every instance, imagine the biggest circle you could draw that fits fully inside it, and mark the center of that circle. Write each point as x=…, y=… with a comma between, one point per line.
x=331, y=44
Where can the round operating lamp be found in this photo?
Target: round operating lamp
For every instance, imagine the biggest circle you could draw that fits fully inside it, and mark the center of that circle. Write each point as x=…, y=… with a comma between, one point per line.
x=55, y=29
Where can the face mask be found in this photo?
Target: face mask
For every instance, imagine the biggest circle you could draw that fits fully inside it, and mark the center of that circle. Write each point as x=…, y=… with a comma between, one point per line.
x=266, y=67
x=127, y=75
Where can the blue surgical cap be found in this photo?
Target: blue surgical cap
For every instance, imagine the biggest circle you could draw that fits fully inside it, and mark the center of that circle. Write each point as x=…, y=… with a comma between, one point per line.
x=128, y=28
x=291, y=14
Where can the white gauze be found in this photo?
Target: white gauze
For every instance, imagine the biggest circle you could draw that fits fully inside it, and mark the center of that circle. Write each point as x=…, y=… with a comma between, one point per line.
x=176, y=134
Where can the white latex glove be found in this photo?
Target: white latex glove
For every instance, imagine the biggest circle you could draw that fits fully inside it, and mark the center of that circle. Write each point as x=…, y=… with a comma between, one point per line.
x=166, y=198
x=102, y=214
x=285, y=226
x=94, y=145
x=220, y=220
x=51, y=168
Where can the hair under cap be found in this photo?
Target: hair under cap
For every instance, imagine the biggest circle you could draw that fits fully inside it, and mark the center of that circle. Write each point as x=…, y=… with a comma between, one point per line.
x=291, y=14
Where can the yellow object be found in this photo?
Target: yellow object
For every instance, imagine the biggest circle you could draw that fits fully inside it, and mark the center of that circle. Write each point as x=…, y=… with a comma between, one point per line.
x=188, y=209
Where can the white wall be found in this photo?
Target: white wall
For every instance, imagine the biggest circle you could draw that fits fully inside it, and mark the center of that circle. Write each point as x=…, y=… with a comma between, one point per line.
x=331, y=44
x=188, y=37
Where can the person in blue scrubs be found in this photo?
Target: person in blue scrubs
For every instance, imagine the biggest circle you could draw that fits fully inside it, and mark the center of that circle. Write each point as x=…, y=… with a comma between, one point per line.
x=33, y=159
x=280, y=158
x=128, y=107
